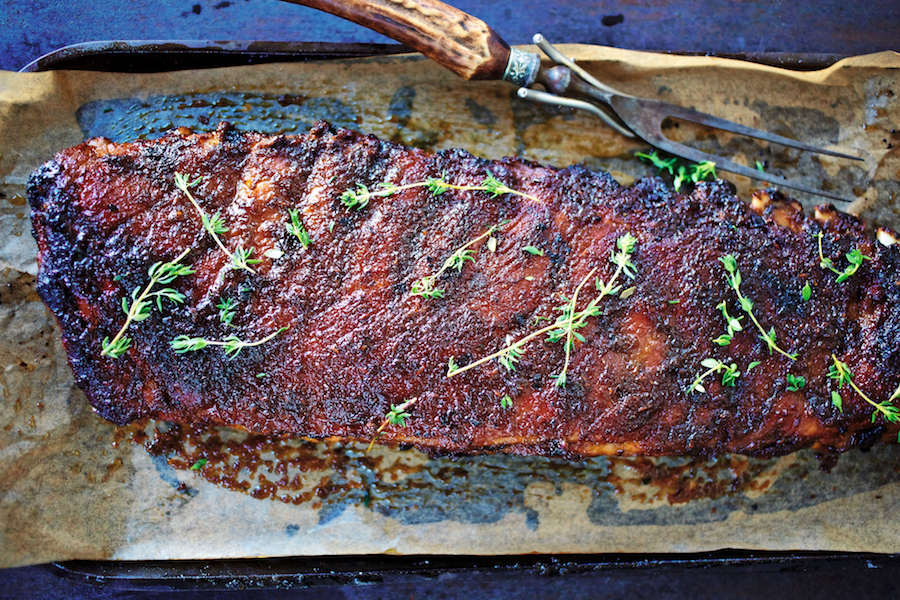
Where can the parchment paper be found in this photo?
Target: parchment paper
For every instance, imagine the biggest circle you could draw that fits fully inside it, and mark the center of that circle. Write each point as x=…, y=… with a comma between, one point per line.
x=69, y=490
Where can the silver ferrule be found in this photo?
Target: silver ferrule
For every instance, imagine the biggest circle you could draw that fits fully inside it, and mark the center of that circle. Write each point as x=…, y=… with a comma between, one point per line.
x=522, y=68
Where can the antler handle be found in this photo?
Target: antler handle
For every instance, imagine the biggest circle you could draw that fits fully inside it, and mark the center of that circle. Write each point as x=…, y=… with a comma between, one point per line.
x=448, y=36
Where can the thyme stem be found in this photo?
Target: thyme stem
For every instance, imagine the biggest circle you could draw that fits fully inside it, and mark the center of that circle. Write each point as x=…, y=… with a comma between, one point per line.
x=425, y=285
x=570, y=320
x=214, y=226
x=139, y=308
x=570, y=323
x=734, y=281
x=842, y=374
x=395, y=416
x=360, y=197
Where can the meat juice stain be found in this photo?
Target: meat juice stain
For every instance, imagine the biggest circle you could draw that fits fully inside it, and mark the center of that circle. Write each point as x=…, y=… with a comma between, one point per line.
x=21, y=289
x=684, y=482
x=126, y=119
x=323, y=472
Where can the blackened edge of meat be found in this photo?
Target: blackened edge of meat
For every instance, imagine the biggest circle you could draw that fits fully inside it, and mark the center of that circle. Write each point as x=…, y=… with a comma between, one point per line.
x=101, y=210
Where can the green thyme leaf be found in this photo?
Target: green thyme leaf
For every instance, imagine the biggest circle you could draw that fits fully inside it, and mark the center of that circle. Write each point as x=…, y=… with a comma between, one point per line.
x=241, y=259
x=184, y=343
x=627, y=292
x=356, y=199
x=494, y=186
x=681, y=175
x=795, y=383
x=659, y=163
x=730, y=374
x=296, y=228
x=160, y=273
x=702, y=170
x=397, y=416
x=733, y=277
x=837, y=401
x=226, y=308
x=117, y=348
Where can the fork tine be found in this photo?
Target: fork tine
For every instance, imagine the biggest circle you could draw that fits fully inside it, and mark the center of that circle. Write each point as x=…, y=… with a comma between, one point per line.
x=700, y=118
x=599, y=110
x=643, y=118
x=695, y=155
x=646, y=124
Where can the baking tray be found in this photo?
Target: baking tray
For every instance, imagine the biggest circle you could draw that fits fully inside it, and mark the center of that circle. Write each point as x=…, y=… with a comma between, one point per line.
x=149, y=56
x=468, y=572
x=307, y=572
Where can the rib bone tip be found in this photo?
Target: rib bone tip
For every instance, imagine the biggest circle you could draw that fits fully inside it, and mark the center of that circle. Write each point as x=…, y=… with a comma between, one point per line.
x=886, y=237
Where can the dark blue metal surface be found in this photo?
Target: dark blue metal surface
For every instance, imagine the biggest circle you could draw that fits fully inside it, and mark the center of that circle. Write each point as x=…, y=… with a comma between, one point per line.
x=29, y=29
x=32, y=28
x=696, y=577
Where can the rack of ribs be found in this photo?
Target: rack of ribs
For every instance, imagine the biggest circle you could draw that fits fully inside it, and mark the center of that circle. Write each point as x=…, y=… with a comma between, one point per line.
x=681, y=323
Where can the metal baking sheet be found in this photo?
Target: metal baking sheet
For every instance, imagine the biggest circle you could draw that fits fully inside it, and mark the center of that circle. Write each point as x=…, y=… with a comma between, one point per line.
x=59, y=461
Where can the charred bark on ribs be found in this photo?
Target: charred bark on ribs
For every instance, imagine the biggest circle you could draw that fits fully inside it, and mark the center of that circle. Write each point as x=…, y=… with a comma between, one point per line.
x=358, y=342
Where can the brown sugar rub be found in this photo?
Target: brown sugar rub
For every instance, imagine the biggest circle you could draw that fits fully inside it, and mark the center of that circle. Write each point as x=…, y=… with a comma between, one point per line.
x=289, y=300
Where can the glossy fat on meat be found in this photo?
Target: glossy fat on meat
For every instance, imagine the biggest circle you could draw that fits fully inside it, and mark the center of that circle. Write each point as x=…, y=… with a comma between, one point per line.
x=358, y=342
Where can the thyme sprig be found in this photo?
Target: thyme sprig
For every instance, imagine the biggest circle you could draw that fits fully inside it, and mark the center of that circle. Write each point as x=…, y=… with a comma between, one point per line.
x=730, y=374
x=231, y=344
x=215, y=226
x=695, y=172
x=240, y=259
x=840, y=372
x=568, y=323
x=734, y=281
x=457, y=260
x=296, y=228
x=855, y=257
x=226, y=308
x=142, y=301
x=732, y=325
x=359, y=198
x=397, y=415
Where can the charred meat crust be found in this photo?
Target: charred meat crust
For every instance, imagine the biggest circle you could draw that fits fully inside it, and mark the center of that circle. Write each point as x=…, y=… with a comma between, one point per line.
x=359, y=343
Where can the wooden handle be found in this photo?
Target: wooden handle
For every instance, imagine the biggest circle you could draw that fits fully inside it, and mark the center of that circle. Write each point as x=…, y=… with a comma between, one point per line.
x=446, y=35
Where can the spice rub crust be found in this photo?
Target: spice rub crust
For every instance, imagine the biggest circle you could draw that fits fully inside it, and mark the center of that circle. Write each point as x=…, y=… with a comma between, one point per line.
x=358, y=342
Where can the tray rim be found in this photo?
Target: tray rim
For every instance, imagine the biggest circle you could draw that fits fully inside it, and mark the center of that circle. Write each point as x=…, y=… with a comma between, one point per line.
x=314, y=571
x=99, y=55
x=319, y=571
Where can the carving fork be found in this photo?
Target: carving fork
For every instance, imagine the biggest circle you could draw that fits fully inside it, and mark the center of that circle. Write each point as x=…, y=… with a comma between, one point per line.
x=472, y=50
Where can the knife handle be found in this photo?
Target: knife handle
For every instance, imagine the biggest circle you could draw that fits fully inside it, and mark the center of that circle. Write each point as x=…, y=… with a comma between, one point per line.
x=446, y=35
